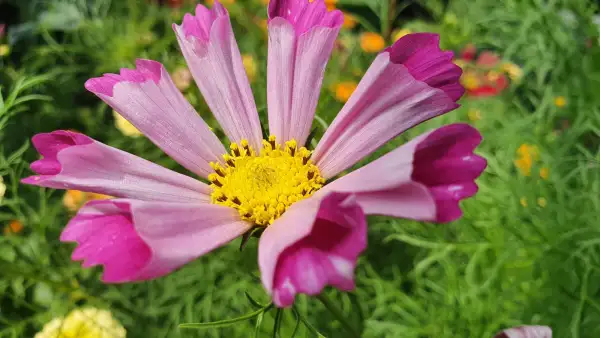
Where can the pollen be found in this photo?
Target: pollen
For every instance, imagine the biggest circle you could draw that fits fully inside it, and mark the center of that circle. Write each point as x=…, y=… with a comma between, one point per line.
x=263, y=185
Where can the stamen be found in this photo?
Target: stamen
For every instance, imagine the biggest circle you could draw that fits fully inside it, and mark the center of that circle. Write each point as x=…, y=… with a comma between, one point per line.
x=272, y=142
x=264, y=185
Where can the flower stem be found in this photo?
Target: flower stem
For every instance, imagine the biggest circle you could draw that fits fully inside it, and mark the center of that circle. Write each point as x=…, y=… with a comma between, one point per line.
x=339, y=315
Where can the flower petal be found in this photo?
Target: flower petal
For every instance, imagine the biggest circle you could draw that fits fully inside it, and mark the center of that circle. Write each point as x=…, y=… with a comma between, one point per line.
x=212, y=54
x=526, y=332
x=138, y=240
x=399, y=91
x=420, y=53
x=296, y=66
x=424, y=179
x=75, y=161
x=147, y=97
x=314, y=243
x=305, y=14
x=301, y=38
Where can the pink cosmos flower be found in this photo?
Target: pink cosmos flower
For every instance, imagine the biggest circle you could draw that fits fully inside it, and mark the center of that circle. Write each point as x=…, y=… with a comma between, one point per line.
x=526, y=332
x=313, y=231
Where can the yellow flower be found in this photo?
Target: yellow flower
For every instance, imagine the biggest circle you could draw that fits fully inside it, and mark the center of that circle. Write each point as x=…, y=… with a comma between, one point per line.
x=264, y=26
x=83, y=323
x=223, y=2
x=560, y=101
x=514, y=72
x=2, y=189
x=349, y=21
x=343, y=90
x=474, y=115
x=523, y=202
x=182, y=78
x=493, y=76
x=4, y=50
x=399, y=33
x=14, y=227
x=250, y=66
x=470, y=80
x=542, y=202
x=544, y=173
x=125, y=126
x=371, y=42
x=74, y=199
x=526, y=155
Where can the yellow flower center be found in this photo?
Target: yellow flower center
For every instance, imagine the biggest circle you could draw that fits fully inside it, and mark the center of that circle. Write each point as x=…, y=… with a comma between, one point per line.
x=263, y=186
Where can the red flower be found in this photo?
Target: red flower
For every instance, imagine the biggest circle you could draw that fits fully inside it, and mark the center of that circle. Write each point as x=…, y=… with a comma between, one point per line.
x=468, y=53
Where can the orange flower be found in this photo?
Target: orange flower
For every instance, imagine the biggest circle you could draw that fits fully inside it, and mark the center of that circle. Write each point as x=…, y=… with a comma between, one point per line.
x=14, y=227
x=371, y=42
x=74, y=199
x=349, y=21
x=544, y=173
x=526, y=156
x=343, y=90
x=330, y=4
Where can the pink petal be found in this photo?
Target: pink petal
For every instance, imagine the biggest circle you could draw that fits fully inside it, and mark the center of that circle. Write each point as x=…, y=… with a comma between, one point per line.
x=420, y=53
x=402, y=88
x=148, y=98
x=212, y=54
x=296, y=66
x=305, y=15
x=526, y=332
x=75, y=161
x=424, y=179
x=137, y=240
x=315, y=243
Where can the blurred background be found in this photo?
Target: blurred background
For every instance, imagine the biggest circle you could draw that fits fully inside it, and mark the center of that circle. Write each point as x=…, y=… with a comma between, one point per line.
x=527, y=250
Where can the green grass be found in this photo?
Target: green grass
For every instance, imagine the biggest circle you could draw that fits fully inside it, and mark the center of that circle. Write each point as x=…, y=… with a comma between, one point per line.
x=501, y=265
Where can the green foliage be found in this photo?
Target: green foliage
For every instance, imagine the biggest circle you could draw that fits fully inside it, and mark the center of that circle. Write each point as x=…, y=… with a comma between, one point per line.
x=503, y=264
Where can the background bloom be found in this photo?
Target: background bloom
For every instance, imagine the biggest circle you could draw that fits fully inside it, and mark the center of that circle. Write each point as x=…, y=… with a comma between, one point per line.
x=2, y=189
x=371, y=42
x=86, y=322
x=344, y=90
x=125, y=126
x=13, y=227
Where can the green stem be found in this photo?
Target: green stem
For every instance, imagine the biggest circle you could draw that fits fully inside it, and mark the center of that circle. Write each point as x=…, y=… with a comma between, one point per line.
x=339, y=315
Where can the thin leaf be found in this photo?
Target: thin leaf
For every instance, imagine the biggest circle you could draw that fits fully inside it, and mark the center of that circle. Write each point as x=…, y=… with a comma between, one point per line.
x=307, y=323
x=226, y=322
x=253, y=301
x=259, y=320
x=277, y=323
x=297, y=325
x=18, y=153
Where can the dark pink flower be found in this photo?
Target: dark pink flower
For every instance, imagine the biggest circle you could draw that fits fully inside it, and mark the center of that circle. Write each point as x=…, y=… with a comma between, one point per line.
x=313, y=233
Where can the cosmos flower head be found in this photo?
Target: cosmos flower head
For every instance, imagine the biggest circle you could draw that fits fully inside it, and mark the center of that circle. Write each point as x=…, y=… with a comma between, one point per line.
x=313, y=221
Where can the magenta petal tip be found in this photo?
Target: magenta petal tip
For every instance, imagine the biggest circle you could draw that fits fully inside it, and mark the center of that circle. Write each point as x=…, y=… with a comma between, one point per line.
x=420, y=53
x=305, y=15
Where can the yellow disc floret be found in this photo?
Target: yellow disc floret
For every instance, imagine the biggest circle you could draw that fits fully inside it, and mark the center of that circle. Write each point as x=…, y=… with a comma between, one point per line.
x=263, y=186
